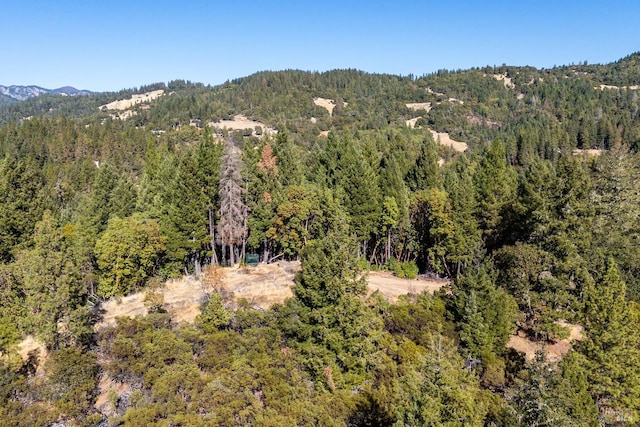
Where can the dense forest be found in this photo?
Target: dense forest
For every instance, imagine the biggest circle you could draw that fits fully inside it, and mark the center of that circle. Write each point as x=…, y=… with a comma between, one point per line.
x=535, y=225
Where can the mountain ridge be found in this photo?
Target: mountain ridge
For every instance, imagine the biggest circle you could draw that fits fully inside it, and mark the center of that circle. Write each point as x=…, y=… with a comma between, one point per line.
x=16, y=93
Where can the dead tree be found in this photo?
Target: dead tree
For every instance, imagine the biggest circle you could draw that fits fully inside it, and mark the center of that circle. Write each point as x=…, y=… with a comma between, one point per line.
x=232, y=229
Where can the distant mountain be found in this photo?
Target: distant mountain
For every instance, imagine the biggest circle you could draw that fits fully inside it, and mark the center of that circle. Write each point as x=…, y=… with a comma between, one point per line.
x=9, y=94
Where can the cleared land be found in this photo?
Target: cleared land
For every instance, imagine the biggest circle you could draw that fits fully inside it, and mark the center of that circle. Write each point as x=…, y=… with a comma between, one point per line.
x=505, y=80
x=634, y=87
x=419, y=106
x=588, y=152
x=443, y=138
x=555, y=350
x=262, y=286
x=124, y=104
x=240, y=122
x=328, y=104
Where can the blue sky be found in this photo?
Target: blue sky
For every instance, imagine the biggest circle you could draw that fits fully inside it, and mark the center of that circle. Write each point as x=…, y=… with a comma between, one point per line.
x=112, y=45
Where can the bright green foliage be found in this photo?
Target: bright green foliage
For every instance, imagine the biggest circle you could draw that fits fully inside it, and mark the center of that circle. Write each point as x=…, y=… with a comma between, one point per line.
x=289, y=159
x=214, y=315
x=389, y=219
x=356, y=182
x=185, y=217
x=328, y=356
x=419, y=318
x=431, y=214
x=208, y=156
x=466, y=239
x=127, y=254
x=264, y=196
x=329, y=272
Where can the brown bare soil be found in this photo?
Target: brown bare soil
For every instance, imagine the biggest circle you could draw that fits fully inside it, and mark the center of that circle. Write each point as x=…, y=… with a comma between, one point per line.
x=505, y=80
x=555, y=350
x=102, y=401
x=391, y=287
x=241, y=122
x=476, y=120
x=443, y=138
x=588, y=152
x=124, y=104
x=328, y=104
x=262, y=286
x=412, y=122
x=419, y=106
x=603, y=87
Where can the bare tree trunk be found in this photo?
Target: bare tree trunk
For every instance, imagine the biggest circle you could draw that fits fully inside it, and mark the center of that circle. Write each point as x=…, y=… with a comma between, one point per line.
x=224, y=254
x=244, y=239
x=373, y=257
x=388, y=245
x=197, y=266
x=212, y=233
x=265, y=256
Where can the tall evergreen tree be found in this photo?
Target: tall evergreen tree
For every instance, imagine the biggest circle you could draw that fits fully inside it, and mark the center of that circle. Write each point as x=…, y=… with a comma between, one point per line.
x=208, y=174
x=612, y=349
x=21, y=202
x=496, y=184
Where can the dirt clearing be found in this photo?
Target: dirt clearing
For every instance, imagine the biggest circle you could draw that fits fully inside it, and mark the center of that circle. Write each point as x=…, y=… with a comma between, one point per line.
x=443, y=138
x=124, y=104
x=391, y=287
x=595, y=152
x=328, y=104
x=262, y=286
x=555, y=350
x=419, y=106
x=240, y=122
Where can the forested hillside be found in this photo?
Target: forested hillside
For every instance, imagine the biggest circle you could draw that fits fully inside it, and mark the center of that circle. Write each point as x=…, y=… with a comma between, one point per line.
x=536, y=224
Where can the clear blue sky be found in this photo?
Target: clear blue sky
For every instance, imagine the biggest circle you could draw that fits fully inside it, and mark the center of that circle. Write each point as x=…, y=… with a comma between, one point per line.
x=112, y=45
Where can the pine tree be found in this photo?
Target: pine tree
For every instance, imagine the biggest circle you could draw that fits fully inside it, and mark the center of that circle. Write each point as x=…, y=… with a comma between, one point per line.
x=186, y=214
x=612, y=349
x=616, y=200
x=496, y=184
x=21, y=202
x=50, y=279
x=425, y=173
x=208, y=174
